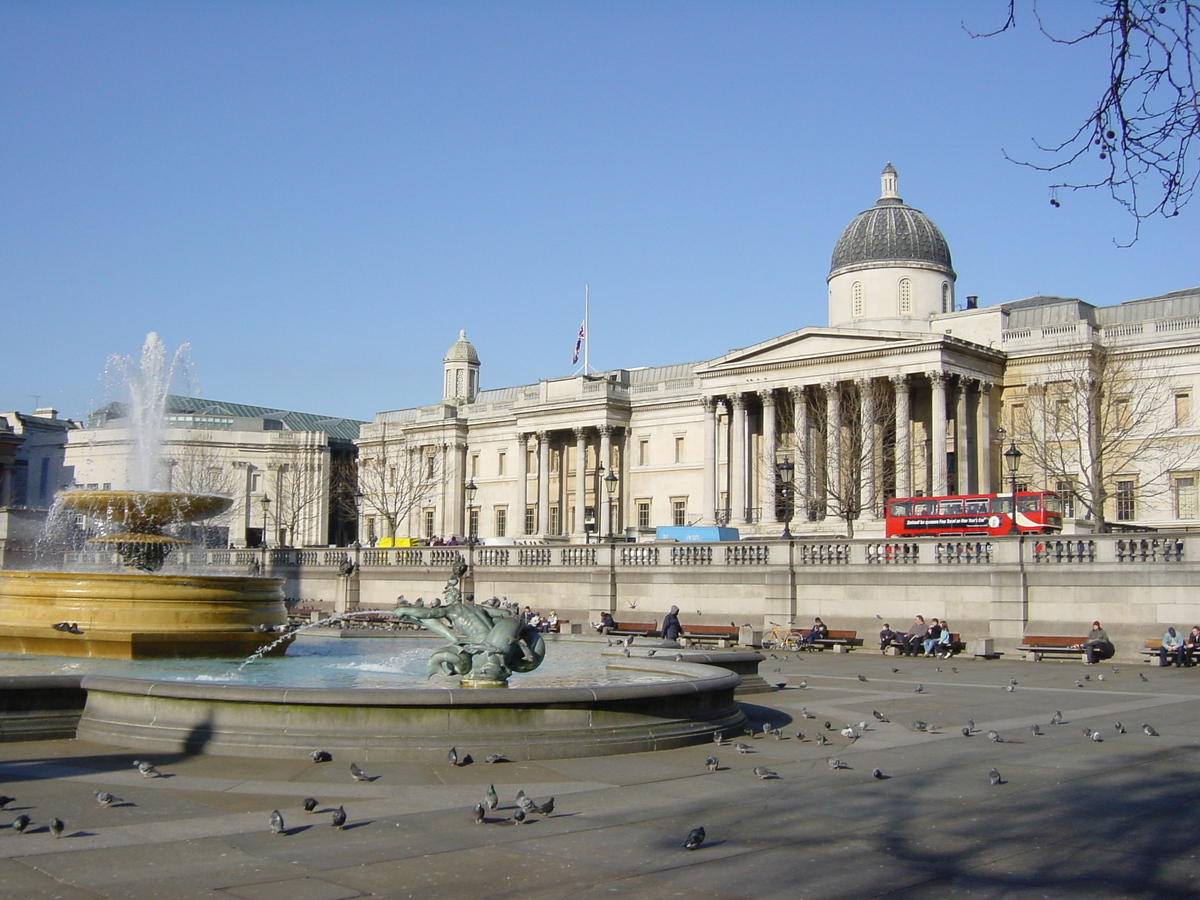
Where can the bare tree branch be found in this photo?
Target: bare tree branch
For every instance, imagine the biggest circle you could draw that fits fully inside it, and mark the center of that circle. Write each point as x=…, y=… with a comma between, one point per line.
x=396, y=475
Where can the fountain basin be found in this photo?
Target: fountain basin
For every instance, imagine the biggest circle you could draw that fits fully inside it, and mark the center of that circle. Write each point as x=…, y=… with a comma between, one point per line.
x=127, y=615
x=416, y=725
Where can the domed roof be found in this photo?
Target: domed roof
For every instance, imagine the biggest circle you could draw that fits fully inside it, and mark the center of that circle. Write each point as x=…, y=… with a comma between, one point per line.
x=891, y=232
x=462, y=350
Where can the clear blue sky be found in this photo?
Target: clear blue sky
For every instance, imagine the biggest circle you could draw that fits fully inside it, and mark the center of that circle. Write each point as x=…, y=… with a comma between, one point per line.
x=318, y=196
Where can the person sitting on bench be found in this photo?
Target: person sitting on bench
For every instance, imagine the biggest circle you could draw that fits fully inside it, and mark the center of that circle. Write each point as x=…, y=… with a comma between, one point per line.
x=819, y=631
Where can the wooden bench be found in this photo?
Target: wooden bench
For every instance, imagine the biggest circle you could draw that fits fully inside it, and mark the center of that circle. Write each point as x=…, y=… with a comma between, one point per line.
x=722, y=635
x=943, y=651
x=1152, y=647
x=637, y=629
x=1036, y=646
x=838, y=641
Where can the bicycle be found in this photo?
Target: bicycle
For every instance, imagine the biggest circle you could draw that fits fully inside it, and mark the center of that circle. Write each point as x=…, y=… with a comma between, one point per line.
x=782, y=637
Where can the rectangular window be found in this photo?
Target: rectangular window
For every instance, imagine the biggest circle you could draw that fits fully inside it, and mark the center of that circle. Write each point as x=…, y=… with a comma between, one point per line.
x=530, y=519
x=1126, y=508
x=679, y=511
x=643, y=515
x=474, y=465
x=1185, y=497
x=501, y=521
x=1062, y=414
x=530, y=459
x=1016, y=417
x=501, y=458
x=1183, y=409
x=430, y=466
x=644, y=452
x=428, y=517
x=1066, y=494
x=473, y=522
x=678, y=449
x=555, y=519
x=1121, y=412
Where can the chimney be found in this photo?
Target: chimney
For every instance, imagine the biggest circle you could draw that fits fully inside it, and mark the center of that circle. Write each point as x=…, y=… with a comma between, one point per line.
x=972, y=301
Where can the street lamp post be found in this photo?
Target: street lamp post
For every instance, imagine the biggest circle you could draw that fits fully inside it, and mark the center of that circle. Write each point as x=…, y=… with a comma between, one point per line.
x=470, y=490
x=787, y=472
x=1012, y=459
x=610, y=484
x=266, y=505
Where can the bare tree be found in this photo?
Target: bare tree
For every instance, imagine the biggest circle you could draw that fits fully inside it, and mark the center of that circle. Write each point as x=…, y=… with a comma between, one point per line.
x=1139, y=139
x=1096, y=418
x=197, y=466
x=301, y=485
x=396, y=476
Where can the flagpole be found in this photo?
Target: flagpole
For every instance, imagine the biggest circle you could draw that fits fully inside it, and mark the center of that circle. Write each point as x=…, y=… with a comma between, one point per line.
x=587, y=329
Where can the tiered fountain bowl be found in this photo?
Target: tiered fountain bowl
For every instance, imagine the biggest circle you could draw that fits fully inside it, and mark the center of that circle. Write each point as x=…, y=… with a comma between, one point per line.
x=136, y=613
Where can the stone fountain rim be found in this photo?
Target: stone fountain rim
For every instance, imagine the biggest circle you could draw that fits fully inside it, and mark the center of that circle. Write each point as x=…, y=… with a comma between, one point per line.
x=696, y=678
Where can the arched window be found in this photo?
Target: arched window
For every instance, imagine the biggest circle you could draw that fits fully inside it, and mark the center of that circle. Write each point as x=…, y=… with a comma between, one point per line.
x=856, y=294
x=905, y=296
x=946, y=297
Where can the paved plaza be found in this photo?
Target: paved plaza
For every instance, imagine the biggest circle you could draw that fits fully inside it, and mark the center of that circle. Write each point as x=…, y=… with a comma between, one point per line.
x=1072, y=817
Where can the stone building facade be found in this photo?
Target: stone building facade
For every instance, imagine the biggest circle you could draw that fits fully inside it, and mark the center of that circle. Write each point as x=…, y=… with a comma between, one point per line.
x=905, y=392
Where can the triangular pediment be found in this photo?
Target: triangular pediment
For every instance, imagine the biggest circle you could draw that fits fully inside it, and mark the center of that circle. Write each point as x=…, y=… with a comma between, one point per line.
x=809, y=344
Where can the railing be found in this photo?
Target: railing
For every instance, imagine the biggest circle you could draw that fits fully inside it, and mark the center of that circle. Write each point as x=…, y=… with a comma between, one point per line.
x=692, y=555
x=823, y=554
x=960, y=552
x=1150, y=550
x=747, y=555
x=893, y=553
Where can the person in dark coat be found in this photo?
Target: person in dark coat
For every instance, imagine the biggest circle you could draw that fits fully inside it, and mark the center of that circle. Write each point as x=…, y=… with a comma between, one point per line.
x=671, y=629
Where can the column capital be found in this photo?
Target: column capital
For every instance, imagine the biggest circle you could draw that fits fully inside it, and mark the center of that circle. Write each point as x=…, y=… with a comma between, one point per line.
x=767, y=397
x=543, y=437
x=737, y=401
x=985, y=387
x=797, y=390
x=899, y=381
x=523, y=437
x=607, y=430
x=938, y=378
x=580, y=433
x=829, y=386
x=708, y=403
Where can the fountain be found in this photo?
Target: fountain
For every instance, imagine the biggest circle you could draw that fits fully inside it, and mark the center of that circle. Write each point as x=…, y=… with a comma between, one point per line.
x=138, y=613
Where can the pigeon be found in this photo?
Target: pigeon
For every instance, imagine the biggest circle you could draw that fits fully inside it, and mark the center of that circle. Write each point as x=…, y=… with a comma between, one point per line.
x=519, y=816
x=762, y=772
x=276, y=822
x=105, y=799
x=147, y=769
x=995, y=736
x=1120, y=728
x=835, y=763
x=358, y=774
x=1116, y=670
x=994, y=776
x=767, y=728
x=339, y=818
x=920, y=726
x=954, y=669
x=320, y=756
x=478, y=813
x=919, y=689
x=799, y=735
x=1149, y=730
x=849, y=733
x=879, y=717
x=718, y=738
x=1087, y=677
x=452, y=756
x=1096, y=737
x=528, y=805
x=1100, y=677
x=493, y=799
x=1057, y=718
x=57, y=826
x=821, y=739
x=546, y=808
x=694, y=839
x=803, y=685
x=1142, y=675
x=966, y=732
x=4, y=801
x=862, y=726
x=1035, y=729
x=650, y=653
x=1012, y=681
x=971, y=724
x=895, y=670
x=20, y=823
x=1087, y=732
x=1078, y=683
x=937, y=668
x=310, y=804
x=678, y=657
x=495, y=758
x=1010, y=688
x=777, y=733
x=877, y=774
x=862, y=677
x=805, y=714
x=829, y=726
x=712, y=762
x=520, y=795
x=743, y=748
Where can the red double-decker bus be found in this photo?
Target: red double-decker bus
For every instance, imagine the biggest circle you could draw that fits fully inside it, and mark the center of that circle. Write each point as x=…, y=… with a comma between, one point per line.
x=1037, y=512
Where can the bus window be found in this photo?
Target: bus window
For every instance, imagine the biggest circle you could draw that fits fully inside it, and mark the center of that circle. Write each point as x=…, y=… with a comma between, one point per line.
x=1002, y=505
x=899, y=509
x=1029, y=504
x=951, y=507
x=977, y=506
x=923, y=508
x=1053, y=505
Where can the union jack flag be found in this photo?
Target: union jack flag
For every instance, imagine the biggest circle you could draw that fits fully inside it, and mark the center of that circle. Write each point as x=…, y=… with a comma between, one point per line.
x=578, y=344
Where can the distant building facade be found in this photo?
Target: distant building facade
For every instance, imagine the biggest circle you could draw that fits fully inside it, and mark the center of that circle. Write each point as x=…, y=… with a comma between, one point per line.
x=906, y=392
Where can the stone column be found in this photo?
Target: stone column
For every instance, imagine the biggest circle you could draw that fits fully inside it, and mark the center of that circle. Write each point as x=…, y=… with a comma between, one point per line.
x=983, y=451
x=708, y=486
x=737, y=461
x=543, y=481
x=869, y=485
x=801, y=490
x=903, y=436
x=766, y=477
x=604, y=525
x=962, y=439
x=833, y=442
x=520, y=492
x=580, y=481
x=937, y=381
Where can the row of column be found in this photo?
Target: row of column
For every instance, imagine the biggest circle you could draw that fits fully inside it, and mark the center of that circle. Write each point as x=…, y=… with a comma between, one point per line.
x=604, y=504
x=818, y=455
